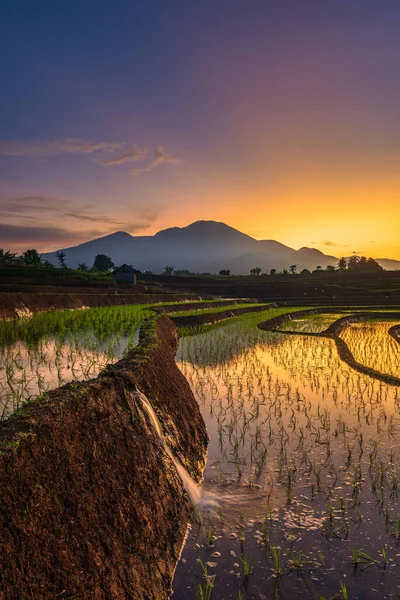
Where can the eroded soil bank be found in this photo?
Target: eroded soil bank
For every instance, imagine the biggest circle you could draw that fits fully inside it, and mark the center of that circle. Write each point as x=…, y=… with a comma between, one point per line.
x=92, y=506
x=14, y=304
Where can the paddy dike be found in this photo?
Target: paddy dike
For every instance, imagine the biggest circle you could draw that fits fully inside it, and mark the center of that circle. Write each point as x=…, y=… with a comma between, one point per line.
x=92, y=504
x=215, y=317
x=44, y=298
x=333, y=332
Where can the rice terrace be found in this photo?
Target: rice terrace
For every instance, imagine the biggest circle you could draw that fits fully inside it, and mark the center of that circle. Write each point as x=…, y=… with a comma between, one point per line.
x=292, y=488
x=200, y=300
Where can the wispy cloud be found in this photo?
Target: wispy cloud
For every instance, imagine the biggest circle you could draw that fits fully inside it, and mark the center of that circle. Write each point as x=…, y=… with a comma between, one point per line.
x=328, y=243
x=50, y=148
x=18, y=235
x=160, y=157
x=50, y=211
x=106, y=154
x=131, y=155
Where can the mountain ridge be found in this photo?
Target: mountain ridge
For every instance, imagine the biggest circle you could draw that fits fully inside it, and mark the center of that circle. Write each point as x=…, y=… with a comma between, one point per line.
x=201, y=246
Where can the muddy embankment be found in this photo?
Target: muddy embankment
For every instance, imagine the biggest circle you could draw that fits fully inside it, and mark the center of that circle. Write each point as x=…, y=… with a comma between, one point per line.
x=208, y=318
x=333, y=332
x=92, y=507
x=14, y=304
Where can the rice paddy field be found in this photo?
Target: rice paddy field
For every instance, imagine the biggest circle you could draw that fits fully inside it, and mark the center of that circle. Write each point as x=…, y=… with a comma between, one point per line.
x=50, y=349
x=300, y=496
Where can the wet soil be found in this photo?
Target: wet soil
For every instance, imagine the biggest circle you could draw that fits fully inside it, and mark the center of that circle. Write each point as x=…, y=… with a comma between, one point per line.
x=92, y=506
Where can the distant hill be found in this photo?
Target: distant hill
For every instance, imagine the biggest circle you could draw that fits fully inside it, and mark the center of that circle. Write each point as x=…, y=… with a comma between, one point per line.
x=203, y=246
x=389, y=264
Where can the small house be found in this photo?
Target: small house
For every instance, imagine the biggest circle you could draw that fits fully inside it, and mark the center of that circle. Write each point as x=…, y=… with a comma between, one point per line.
x=125, y=274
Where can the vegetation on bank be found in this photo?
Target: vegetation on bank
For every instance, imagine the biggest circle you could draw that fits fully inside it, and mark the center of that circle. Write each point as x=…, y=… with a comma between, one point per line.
x=206, y=311
x=101, y=321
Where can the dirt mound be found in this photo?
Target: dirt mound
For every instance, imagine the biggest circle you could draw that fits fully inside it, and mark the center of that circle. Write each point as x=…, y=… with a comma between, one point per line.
x=91, y=504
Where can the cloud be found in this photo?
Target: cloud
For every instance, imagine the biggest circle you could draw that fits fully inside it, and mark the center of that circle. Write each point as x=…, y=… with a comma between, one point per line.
x=131, y=155
x=36, y=207
x=50, y=148
x=38, y=217
x=160, y=157
x=330, y=243
x=19, y=234
x=106, y=154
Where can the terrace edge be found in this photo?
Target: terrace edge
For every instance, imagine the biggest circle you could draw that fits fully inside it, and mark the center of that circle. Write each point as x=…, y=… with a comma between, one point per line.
x=92, y=506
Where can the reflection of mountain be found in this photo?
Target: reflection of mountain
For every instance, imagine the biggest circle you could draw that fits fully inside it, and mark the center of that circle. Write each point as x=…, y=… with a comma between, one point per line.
x=203, y=246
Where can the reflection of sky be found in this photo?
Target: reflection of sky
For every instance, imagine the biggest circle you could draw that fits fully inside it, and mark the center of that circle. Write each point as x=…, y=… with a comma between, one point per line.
x=26, y=371
x=259, y=365
x=289, y=109
x=292, y=401
x=372, y=346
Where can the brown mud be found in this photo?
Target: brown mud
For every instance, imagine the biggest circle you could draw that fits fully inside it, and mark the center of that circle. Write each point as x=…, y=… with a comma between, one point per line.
x=92, y=507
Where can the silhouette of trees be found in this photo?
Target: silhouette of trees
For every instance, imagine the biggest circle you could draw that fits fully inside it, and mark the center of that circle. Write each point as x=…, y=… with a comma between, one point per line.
x=272, y=272
x=61, y=259
x=168, y=270
x=7, y=257
x=256, y=271
x=83, y=267
x=342, y=264
x=31, y=258
x=102, y=263
x=292, y=269
x=330, y=268
x=362, y=264
x=225, y=272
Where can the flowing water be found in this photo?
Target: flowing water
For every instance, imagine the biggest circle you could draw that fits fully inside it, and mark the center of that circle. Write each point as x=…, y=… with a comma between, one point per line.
x=303, y=470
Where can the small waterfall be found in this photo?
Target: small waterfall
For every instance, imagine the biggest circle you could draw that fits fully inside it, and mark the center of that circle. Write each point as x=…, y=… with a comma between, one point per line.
x=190, y=486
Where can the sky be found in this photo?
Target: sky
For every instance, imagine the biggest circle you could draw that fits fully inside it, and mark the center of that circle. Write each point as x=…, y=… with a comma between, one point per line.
x=278, y=117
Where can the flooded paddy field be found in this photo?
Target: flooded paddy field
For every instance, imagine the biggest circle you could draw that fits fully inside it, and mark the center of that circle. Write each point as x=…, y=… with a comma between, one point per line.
x=300, y=496
x=47, y=350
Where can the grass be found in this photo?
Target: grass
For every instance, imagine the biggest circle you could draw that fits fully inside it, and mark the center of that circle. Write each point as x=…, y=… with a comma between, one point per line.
x=207, y=311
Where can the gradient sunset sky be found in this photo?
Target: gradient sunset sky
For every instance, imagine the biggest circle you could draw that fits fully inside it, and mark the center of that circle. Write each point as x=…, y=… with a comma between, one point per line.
x=280, y=118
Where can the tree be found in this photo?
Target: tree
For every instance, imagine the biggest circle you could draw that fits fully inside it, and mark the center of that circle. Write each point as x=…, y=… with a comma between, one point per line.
x=102, y=263
x=83, y=267
x=293, y=269
x=31, y=258
x=342, y=264
x=285, y=272
x=353, y=262
x=61, y=259
x=362, y=264
x=48, y=264
x=256, y=271
x=330, y=268
x=225, y=272
x=7, y=257
x=272, y=272
x=168, y=270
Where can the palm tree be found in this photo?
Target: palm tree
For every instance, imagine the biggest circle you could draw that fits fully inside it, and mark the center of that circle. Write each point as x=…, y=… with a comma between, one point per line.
x=256, y=271
x=168, y=270
x=342, y=264
x=7, y=257
x=292, y=269
x=61, y=258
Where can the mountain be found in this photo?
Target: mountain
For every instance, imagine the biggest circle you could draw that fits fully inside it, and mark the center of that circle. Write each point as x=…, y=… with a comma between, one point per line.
x=389, y=264
x=203, y=246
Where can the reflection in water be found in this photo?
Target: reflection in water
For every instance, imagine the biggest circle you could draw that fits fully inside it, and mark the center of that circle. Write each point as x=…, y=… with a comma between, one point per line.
x=372, y=346
x=29, y=370
x=308, y=450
